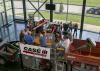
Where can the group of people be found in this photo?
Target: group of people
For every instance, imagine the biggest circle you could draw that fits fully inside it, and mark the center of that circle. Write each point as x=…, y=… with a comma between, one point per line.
x=63, y=27
x=27, y=37
x=58, y=30
x=33, y=26
x=71, y=27
x=61, y=31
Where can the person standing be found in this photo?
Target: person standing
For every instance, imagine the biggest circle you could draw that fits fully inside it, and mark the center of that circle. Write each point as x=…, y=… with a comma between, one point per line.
x=42, y=39
x=70, y=26
x=21, y=36
x=28, y=38
x=54, y=28
x=39, y=27
x=65, y=27
x=30, y=25
x=75, y=30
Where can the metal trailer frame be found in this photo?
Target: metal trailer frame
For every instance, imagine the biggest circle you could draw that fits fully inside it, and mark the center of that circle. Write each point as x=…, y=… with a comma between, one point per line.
x=32, y=63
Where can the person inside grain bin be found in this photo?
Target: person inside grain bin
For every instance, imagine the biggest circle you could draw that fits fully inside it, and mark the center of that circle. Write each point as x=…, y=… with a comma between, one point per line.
x=43, y=39
x=39, y=28
x=26, y=31
x=30, y=25
x=21, y=36
x=28, y=38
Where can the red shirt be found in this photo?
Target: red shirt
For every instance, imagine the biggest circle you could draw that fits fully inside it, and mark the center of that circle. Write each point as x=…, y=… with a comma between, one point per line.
x=54, y=28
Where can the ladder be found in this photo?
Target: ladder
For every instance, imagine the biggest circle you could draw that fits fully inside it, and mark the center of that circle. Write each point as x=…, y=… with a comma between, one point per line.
x=59, y=66
x=59, y=62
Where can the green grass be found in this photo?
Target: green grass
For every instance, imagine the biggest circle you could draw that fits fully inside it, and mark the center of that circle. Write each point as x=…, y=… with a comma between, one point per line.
x=78, y=2
x=74, y=18
x=93, y=21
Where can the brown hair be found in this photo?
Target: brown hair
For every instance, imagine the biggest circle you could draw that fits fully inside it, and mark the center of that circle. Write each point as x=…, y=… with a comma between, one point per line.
x=43, y=32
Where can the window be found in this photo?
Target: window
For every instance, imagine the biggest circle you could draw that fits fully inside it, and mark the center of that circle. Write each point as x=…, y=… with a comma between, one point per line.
x=9, y=15
x=8, y=5
x=92, y=18
x=31, y=11
x=18, y=8
x=1, y=7
x=1, y=22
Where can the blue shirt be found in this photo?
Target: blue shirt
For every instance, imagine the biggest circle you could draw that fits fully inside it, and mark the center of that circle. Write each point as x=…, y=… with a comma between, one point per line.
x=43, y=41
x=28, y=39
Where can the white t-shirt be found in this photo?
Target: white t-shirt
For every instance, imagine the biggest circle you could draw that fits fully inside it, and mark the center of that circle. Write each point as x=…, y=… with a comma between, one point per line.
x=67, y=43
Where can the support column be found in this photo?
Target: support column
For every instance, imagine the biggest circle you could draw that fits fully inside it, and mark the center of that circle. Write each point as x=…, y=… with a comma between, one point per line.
x=51, y=12
x=24, y=12
x=82, y=18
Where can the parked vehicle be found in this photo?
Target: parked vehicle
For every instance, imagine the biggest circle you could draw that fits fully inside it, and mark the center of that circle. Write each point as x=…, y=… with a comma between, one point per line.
x=9, y=52
x=95, y=11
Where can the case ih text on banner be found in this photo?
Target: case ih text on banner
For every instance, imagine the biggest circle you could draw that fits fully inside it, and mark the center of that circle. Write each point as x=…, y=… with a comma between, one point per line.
x=35, y=51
